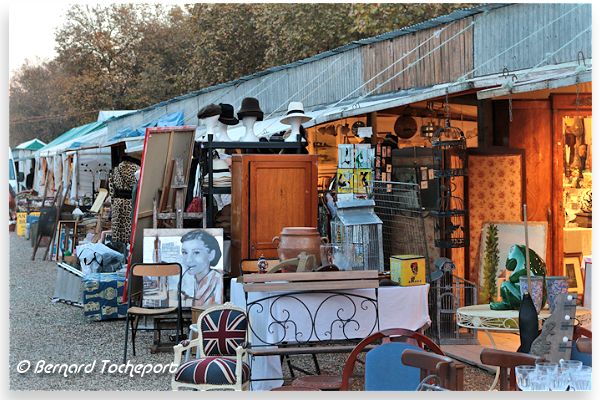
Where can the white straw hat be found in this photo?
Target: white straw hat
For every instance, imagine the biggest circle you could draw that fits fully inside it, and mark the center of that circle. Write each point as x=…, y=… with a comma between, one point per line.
x=295, y=110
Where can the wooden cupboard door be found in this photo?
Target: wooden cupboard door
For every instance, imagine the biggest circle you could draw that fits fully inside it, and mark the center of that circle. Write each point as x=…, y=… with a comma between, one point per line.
x=531, y=130
x=282, y=194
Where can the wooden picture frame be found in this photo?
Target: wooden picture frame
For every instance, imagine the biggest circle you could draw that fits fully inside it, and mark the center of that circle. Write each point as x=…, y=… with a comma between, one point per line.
x=572, y=270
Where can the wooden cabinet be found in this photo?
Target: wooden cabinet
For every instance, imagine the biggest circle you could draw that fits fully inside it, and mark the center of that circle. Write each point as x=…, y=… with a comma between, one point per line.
x=269, y=192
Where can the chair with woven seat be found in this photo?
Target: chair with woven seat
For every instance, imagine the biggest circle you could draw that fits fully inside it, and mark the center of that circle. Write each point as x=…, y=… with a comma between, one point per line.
x=221, y=356
x=135, y=303
x=449, y=372
x=383, y=365
x=507, y=361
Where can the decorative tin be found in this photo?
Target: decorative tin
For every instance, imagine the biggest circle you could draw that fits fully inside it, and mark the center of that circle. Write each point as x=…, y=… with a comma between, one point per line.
x=407, y=270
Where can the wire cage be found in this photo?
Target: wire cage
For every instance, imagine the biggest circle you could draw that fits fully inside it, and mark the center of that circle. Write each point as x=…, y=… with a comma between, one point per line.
x=357, y=228
x=446, y=296
x=399, y=207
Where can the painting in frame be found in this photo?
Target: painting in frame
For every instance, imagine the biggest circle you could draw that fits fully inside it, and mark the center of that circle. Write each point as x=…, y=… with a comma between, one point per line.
x=200, y=253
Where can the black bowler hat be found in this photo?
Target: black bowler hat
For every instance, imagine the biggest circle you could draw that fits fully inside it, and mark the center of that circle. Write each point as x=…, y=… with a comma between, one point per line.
x=227, y=117
x=209, y=111
x=250, y=108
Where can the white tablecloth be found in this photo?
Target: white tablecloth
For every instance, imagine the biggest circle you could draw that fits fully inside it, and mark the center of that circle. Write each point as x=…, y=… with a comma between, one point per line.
x=399, y=307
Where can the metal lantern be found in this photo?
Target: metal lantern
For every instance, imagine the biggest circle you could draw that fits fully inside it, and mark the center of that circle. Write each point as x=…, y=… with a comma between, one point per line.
x=358, y=230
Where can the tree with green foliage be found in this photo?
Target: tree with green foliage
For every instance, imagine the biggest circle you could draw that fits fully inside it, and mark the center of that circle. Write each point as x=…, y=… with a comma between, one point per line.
x=490, y=265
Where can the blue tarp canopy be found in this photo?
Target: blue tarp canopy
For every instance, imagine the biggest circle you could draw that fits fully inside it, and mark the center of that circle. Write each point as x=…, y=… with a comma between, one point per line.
x=72, y=134
x=173, y=119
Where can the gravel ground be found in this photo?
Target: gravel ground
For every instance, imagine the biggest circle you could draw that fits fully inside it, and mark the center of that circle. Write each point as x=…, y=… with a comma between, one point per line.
x=42, y=331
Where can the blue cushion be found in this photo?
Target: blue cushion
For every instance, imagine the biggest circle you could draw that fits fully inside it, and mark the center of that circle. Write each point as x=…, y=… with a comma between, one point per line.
x=211, y=370
x=384, y=369
x=585, y=358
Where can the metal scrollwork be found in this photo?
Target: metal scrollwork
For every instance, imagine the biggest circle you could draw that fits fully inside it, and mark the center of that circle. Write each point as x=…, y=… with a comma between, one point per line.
x=283, y=328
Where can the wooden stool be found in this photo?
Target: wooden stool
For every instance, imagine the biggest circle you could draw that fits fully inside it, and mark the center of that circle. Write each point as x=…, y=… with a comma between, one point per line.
x=294, y=388
x=320, y=382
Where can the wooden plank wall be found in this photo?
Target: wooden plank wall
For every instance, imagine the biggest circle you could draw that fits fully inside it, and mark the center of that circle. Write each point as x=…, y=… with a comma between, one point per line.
x=501, y=28
x=531, y=130
x=445, y=64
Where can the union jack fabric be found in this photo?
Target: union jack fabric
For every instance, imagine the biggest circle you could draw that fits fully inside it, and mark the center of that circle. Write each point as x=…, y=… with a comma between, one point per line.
x=211, y=370
x=223, y=331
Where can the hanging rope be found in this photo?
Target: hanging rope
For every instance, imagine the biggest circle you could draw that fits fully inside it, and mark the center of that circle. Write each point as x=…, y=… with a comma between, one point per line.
x=214, y=100
x=434, y=35
x=303, y=87
x=563, y=46
x=413, y=64
x=463, y=77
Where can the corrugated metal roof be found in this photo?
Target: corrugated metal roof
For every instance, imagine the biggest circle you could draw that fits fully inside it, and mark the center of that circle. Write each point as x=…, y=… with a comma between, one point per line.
x=540, y=79
x=552, y=76
x=434, y=22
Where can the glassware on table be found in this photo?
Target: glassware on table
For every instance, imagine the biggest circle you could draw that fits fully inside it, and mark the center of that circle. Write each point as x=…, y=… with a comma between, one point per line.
x=546, y=371
x=545, y=367
x=582, y=380
x=345, y=256
x=540, y=382
x=571, y=365
x=560, y=381
x=525, y=374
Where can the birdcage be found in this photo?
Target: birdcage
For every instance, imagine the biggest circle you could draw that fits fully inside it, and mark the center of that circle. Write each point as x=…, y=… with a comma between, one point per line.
x=399, y=207
x=447, y=294
x=357, y=228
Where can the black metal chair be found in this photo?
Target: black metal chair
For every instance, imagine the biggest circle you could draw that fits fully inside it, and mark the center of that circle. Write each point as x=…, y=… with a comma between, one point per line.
x=135, y=305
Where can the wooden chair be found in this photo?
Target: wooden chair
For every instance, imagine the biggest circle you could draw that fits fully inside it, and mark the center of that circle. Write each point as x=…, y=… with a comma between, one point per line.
x=450, y=372
x=221, y=356
x=135, y=308
x=383, y=367
x=507, y=361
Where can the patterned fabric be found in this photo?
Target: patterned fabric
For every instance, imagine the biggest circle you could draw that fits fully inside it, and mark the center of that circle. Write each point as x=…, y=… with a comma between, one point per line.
x=223, y=331
x=121, y=178
x=494, y=195
x=211, y=370
x=103, y=296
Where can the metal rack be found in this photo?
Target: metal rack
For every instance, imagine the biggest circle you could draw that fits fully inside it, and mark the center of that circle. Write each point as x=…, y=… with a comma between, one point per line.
x=398, y=205
x=206, y=149
x=449, y=149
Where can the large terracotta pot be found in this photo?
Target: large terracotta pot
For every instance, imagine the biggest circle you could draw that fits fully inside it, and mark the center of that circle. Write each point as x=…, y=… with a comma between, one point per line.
x=294, y=240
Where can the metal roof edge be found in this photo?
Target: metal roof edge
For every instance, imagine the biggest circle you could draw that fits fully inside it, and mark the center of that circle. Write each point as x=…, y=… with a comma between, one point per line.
x=430, y=23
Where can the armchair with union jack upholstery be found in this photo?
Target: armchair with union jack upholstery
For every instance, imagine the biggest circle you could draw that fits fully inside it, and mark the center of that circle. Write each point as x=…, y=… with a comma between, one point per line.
x=221, y=357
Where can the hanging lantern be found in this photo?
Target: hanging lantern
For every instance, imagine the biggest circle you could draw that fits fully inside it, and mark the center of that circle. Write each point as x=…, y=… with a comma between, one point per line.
x=429, y=129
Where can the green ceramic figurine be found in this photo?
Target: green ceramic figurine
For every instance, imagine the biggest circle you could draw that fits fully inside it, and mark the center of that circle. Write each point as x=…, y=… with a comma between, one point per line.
x=510, y=290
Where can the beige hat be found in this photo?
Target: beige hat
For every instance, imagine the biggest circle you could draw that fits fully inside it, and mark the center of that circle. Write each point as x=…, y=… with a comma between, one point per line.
x=295, y=110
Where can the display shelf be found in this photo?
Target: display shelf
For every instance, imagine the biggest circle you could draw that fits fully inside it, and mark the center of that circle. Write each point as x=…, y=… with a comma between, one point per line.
x=221, y=190
x=251, y=145
x=451, y=243
x=450, y=158
x=206, y=149
x=448, y=213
